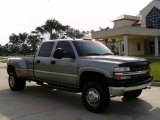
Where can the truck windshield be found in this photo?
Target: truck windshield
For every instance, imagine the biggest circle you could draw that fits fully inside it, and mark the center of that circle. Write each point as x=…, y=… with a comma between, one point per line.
x=91, y=48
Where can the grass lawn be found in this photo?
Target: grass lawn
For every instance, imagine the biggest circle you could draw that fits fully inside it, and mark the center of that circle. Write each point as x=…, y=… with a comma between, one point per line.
x=3, y=59
x=155, y=67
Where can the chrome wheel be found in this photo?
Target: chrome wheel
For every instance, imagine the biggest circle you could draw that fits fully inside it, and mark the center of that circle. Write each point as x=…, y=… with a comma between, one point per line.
x=93, y=97
x=12, y=81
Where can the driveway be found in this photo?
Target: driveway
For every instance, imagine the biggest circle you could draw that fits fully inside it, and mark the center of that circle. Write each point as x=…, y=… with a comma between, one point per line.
x=38, y=103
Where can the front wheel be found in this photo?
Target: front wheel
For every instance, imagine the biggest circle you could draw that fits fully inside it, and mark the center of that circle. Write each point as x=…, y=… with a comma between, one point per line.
x=95, y=97
x=15, y=83
x=132, y=94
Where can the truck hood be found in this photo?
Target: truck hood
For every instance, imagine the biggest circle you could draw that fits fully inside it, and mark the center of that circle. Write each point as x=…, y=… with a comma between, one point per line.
x=114, y=58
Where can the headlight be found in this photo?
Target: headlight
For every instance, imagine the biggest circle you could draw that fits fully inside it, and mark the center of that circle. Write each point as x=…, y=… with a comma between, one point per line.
x=122, y=69
x=119, y=70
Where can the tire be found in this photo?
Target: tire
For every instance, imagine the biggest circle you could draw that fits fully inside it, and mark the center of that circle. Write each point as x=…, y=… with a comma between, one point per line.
x=95, y=97
x=132, y=94
x=15, y=83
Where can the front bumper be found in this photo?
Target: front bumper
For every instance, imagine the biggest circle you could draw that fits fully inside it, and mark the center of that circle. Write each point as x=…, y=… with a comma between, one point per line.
x=118, y=91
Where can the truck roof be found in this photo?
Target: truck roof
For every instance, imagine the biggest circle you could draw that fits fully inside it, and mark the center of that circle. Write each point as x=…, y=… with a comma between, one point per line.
x=66, y=40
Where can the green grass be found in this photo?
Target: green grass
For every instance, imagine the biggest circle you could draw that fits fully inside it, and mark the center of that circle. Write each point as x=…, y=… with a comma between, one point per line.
x=3, y=59
x=155, y=67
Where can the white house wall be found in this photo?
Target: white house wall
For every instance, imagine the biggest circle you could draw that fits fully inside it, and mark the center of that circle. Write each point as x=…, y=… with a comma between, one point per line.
x=133, y=47
x=123, y=23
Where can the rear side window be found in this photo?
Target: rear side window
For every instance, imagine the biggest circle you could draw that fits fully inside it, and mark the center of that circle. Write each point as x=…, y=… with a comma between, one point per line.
x=46, y=49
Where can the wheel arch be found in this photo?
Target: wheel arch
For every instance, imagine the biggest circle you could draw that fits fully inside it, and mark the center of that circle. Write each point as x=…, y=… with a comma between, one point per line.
x=91, y=76
x=10, y=68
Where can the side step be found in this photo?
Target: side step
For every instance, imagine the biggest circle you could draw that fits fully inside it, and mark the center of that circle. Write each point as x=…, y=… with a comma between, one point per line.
x=58, y=86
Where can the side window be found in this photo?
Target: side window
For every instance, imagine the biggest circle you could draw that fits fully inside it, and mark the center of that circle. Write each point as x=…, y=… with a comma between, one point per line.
x=122, y=47
x=46, y=49
x=139, y=46
x=66, y=47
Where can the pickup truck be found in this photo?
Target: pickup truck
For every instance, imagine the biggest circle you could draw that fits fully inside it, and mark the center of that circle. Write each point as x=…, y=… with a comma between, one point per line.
x=81, y=66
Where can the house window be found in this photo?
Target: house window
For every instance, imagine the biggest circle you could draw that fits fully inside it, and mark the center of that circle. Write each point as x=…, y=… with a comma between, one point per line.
x=153, y=19
x=122, y=47
x=139, y=47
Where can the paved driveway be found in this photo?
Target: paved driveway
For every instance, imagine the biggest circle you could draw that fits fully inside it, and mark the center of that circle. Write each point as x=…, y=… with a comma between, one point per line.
x=38, y=103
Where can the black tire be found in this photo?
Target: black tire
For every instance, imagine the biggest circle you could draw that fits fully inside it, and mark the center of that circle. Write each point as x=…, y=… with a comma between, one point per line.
x=15, y=83
x=132, y=94
x=95, y=97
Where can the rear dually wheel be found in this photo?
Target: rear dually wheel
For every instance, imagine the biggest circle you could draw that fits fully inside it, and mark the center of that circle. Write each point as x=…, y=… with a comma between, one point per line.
x=15, y=83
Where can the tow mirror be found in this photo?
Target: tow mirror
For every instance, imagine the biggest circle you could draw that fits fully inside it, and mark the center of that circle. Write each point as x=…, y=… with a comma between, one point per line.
x=58, y=53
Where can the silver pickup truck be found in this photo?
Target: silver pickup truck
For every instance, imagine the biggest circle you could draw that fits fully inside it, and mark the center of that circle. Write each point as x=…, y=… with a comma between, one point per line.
x=81, y=66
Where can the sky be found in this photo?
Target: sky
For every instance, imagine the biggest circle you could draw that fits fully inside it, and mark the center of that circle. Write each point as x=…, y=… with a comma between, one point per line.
x=18, y=16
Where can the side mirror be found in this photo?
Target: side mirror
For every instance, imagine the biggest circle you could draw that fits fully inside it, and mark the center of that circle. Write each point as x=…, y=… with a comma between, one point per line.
x=58, y=53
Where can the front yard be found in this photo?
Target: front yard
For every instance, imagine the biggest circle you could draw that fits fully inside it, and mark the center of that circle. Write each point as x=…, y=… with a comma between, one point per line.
x=155, y=67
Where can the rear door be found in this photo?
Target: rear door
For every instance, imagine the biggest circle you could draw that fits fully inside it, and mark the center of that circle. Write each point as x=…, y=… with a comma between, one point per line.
x=42, y=61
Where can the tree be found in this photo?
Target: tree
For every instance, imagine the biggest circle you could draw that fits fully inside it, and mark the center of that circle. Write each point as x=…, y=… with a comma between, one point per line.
x=19, y=41
x=14, y=39
x=27, y=43
x=23, y=42
x=73, y=33
x=52, y=28
x=33, y=41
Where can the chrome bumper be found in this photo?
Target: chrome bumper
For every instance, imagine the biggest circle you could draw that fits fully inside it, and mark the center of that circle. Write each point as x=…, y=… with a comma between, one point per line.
x=118, y=91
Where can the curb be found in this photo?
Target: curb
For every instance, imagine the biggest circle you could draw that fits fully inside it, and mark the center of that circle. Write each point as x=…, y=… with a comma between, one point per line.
x=156, y=84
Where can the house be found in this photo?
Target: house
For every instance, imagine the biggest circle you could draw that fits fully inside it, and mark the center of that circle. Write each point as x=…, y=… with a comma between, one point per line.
x=135, y=35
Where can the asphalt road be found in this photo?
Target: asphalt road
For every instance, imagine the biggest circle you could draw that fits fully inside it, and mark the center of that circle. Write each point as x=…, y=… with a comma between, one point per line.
x=38, y=103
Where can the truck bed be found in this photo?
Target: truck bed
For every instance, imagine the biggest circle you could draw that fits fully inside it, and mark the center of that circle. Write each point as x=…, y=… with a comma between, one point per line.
x=23, y=65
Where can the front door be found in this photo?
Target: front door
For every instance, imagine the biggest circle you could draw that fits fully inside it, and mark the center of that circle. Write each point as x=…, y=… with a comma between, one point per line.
x=64, y=70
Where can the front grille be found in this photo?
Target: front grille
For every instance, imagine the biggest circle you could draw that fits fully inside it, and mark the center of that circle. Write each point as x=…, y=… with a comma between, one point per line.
x=141, y=77
x=139, y=67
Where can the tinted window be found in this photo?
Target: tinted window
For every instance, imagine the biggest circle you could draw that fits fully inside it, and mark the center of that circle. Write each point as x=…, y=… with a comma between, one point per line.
x=153, y=19
x=139, y=47
x=88, y=48
x=46, y=49
x=66, y=47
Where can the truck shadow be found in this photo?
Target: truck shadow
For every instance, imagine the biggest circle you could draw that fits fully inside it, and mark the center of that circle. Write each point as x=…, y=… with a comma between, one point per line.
x=132, y=107
x=42, y=99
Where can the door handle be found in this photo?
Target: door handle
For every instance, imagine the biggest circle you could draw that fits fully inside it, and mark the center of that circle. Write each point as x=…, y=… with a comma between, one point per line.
x=53, y=62
x=37, y=61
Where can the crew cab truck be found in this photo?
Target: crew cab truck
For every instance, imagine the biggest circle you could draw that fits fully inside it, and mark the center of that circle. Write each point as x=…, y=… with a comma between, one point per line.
x=81, y=66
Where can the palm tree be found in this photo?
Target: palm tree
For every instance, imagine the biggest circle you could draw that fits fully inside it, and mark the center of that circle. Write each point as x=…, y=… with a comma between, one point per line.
x=52, y=28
